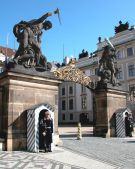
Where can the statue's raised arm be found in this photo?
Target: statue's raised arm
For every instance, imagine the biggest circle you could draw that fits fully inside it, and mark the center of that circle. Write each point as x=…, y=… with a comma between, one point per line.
x=41, y=19
x=109, y=43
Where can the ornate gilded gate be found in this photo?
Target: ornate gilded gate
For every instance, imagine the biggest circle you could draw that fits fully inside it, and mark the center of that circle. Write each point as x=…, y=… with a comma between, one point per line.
x=72, y=73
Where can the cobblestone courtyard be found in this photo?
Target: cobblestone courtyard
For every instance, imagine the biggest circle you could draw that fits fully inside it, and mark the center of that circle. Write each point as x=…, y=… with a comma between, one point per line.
x=88, y=153
x=119, y=152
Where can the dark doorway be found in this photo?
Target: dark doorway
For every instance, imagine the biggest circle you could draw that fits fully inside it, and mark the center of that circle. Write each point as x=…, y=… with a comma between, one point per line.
x=41, y=138
x=84, y=118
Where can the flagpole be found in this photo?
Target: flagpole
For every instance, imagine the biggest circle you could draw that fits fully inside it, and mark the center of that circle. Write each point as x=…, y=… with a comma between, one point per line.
x=6, y=49
x=63, y=52
x=14, y=44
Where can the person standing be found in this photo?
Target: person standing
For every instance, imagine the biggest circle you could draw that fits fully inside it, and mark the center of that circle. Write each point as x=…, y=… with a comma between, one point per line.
x=128, y=125
x=47, y=130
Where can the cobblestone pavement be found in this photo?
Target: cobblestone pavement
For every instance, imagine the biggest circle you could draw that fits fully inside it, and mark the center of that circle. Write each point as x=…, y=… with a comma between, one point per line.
x=88, y=153
x=119, y=152
x=58, y=159
x=26, y=160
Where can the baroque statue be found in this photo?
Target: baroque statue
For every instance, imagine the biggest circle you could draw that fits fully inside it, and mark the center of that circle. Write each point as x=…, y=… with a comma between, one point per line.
x=107, y=65
x=28, y=34
x=83, y=54
x=121, y=27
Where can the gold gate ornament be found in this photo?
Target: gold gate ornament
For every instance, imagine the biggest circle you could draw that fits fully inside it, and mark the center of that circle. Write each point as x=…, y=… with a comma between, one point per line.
x=72, y=73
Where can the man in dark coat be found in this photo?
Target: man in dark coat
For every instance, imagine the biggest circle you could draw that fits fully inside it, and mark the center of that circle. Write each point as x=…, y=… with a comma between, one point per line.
x=128, y=125
x=47, y=130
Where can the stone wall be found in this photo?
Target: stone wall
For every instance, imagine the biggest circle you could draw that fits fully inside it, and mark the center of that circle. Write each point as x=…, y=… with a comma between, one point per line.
x=108, y=101
x=21, y=92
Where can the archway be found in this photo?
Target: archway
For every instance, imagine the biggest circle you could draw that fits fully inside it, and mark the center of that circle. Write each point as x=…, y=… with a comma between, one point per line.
x=33, y=116
x=84, y=118
x=119, y=121
x=41, y=137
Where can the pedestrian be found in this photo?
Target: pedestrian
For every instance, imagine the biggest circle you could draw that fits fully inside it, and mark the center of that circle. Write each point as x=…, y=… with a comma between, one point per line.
x=131, y=122
x=47, y=130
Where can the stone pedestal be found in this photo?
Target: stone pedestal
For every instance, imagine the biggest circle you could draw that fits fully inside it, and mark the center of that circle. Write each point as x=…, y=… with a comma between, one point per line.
x=21, y=89
x=107, y=101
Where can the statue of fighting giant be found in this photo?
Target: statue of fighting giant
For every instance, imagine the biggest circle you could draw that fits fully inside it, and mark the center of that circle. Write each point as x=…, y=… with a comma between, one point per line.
x=108, y=66
x=28, y=34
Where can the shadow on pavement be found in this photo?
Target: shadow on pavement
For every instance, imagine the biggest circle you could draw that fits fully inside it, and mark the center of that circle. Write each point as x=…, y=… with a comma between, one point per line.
x=132, y=141
x=75, y=135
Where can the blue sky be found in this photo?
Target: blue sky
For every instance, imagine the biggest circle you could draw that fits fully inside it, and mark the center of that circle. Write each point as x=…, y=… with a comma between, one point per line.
x=83, y=21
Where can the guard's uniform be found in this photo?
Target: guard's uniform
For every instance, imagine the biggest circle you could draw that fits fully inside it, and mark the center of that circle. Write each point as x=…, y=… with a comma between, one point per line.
x=47, y=130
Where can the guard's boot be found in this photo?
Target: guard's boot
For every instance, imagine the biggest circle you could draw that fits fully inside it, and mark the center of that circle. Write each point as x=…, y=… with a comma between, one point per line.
x=50, y=150
x=45, y=149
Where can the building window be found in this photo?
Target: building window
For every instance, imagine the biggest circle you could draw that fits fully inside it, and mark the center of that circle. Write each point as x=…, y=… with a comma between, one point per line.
x=132, y=92
x=71, y=104
x=63, y=116
x=129, y=51
x=63, y=91
x=131, y=70
x=70, y=90
x=118, y=55
x=83, y=89
x=63, y=105
x=84, y=103
x=119, y=75
x=71, y=116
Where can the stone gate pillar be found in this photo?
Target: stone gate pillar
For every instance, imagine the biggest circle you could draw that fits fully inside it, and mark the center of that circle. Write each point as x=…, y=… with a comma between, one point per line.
x=107, y=101
x=21, y=90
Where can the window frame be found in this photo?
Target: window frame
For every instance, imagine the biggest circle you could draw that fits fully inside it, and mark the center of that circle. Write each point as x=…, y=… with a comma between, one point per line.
x=63, y=108
x=63, y=91
x=130, y=52
x=84, y=103
x=71, y=106
x=63, y=115
x=71, y=116
x=70, y=87
x=131, y=71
